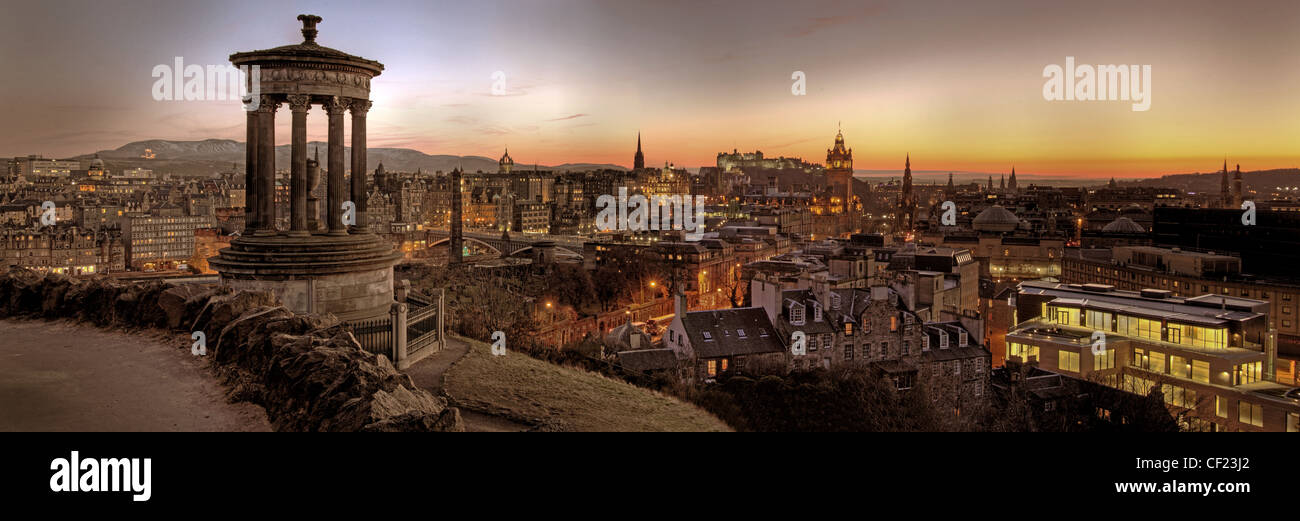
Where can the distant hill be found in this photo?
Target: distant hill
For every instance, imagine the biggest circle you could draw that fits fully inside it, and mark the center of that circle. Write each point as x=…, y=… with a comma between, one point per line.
x=211, y=156
x=1259, y=180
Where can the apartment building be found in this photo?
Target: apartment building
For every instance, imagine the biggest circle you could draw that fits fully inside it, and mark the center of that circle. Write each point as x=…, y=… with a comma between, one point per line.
x=1211, y=356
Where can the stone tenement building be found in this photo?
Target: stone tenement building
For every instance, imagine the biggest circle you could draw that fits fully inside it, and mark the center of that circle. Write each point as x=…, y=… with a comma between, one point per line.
x=873, y=327
x=64, y=249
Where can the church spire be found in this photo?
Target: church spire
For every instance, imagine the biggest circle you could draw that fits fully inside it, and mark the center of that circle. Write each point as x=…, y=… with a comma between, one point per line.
x=638, y=161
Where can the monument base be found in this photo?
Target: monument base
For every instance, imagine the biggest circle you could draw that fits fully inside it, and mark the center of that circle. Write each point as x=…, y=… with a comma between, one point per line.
x=350, y=276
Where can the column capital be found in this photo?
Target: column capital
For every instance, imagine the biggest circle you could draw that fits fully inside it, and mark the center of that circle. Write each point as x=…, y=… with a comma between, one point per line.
x=268, y=104
x=360, y=107
x=299, y=102
x=336, y=105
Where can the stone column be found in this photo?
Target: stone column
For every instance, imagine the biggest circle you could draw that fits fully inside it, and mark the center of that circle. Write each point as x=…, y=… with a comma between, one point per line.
x=250, y=174
x=359, y=109
x=335, y=191
x=266, y=165
x=313, y=181
x=299, y=104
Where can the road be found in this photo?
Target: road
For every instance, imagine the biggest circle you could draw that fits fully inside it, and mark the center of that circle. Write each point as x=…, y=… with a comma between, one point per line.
x=61, y=376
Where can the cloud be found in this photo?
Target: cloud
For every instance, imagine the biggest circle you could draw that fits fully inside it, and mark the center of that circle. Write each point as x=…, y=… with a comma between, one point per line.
x=824, y=22
x=572, y=116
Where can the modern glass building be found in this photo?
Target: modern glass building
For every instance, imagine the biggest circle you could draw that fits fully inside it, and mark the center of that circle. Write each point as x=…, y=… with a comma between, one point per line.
x=1212, y=356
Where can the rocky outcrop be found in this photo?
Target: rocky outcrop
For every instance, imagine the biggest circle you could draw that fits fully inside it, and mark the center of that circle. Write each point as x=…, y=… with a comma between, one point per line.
x=307, y=371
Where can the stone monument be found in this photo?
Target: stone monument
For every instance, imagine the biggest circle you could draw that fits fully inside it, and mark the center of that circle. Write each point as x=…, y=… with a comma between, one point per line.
x=341, y=268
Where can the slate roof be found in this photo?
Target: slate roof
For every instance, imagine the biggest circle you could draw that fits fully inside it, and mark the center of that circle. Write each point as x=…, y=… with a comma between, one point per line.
x=724, y=328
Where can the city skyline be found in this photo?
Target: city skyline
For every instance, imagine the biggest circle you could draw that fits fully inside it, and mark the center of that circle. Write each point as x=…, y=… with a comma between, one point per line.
x=957, y=87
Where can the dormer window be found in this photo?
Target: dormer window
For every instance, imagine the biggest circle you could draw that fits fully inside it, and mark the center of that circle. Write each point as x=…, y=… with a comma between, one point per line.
x=848, y=329
x=962, y=338
x=796, y=314
x=708, y=337
x=925, y=342
x=817, y=313
x=943, y=340
x=835, y=301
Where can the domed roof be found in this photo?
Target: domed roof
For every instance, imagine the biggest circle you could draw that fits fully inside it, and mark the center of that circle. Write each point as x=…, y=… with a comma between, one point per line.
x=96, y=163
x=1123, y=225
x=996, y=219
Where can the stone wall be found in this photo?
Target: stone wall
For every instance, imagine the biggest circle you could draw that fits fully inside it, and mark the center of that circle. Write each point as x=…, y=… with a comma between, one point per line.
x=307, y=371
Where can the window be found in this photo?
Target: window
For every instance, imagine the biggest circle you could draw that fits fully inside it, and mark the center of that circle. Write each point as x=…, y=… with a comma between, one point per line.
x=1065, y=316
x=1175, y=395
x=964, y=338
x=1180, y=367
x=1068, y=361
x=925, y=342
x=1248, y=373
x=907, y=347
x=740, y=333
x=1024, y=351
x=848, y=353
x=713, y=368
x=848, y=329
x=796, y=314
x=1105, y=360
x=812, y=343
x=1201, y=371
x=1099, y=320
x=1157, y=363
x=893, y=324
x=866, y=350
x=817, y=313
x=1250, y=413
x=956, y=367
x=1221, y=406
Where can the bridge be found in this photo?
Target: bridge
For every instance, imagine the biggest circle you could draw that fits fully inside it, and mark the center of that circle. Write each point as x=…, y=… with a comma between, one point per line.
x=516, y=245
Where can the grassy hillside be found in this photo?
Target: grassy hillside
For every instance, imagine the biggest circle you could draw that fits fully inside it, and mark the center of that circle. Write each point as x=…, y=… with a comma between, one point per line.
x=557, y=398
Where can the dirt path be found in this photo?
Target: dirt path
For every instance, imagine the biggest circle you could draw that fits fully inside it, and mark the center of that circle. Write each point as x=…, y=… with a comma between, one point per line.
x=428, y=375
x=61, y=376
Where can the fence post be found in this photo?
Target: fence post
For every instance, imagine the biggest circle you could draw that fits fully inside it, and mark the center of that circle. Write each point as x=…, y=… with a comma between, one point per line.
x=442, y=308
x=401, y=289
x=398, y=314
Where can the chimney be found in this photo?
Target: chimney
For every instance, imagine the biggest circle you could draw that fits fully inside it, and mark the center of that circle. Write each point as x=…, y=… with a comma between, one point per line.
x=766, y=294
x=821, y=289
x=679, y=305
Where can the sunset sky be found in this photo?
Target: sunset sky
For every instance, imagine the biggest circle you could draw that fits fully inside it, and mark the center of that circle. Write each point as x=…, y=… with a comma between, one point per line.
x=958, y=84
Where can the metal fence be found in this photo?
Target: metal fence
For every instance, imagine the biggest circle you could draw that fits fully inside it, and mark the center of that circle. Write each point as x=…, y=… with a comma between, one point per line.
x=423, y=323
x=376, y=336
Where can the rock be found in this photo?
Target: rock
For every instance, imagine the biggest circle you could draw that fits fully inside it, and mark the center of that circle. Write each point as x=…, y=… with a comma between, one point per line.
x=174, y=302
x=448, y=421
x=307, y=371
